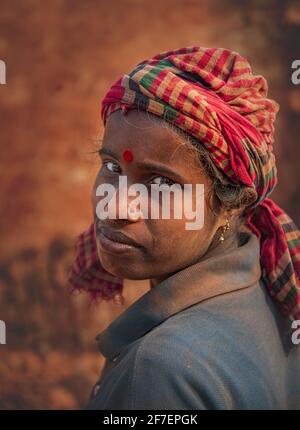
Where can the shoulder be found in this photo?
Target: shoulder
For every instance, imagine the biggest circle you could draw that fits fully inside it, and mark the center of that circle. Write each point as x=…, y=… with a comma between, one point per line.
x=164, y=375
x=210, y=356
x=234, y=318
x=174, y=369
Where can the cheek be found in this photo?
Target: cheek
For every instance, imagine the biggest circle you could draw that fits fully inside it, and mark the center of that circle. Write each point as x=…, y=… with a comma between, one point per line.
x=104, y=194
x=172, y=239
x=97, y=182
x=169, y=236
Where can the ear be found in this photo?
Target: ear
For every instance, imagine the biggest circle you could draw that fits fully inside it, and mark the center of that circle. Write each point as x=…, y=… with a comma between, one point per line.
x=234, y=213
x=230, y=215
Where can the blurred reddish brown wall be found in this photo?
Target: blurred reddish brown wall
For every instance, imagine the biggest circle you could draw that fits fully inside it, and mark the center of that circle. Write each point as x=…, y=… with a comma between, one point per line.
x=61, y=57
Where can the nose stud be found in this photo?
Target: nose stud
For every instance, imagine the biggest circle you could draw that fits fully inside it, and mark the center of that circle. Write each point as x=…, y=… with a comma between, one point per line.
x=128, y=155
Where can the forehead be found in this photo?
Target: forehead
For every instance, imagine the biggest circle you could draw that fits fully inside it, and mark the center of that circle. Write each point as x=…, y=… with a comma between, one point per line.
x=149, y=137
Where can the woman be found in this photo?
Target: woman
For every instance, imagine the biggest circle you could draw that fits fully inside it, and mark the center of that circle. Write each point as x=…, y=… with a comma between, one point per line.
x=214, y=330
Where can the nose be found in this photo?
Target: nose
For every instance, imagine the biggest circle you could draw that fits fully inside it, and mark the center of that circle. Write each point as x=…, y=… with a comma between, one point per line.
x=127, y=207
x=112, y=202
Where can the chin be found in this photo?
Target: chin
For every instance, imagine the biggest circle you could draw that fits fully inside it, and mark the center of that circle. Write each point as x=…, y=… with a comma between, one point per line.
x=121, y=267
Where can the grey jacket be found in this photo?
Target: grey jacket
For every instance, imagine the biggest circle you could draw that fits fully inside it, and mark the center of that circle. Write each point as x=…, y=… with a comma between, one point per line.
x=208, y=337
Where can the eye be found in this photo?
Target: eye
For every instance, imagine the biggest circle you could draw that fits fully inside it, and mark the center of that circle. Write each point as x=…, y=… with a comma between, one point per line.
x=160, y=180
x=111, y=166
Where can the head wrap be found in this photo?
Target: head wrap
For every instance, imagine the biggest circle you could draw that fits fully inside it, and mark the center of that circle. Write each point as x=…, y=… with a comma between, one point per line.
x=213, y=95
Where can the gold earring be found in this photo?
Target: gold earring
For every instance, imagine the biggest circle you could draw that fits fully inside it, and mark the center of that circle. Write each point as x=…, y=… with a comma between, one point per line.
x=224, y=228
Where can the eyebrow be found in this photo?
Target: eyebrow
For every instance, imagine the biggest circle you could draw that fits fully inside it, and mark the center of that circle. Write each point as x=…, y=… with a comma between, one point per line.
x=106, y=151
x=146, y=165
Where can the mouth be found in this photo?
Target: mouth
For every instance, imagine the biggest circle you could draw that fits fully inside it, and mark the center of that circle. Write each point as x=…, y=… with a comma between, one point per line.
x=114, y=241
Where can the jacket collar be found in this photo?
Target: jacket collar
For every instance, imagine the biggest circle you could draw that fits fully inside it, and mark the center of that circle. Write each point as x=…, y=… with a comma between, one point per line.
x=222, y=271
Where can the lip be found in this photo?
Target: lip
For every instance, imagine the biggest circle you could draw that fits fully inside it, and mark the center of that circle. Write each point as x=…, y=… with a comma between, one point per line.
x=115, y=241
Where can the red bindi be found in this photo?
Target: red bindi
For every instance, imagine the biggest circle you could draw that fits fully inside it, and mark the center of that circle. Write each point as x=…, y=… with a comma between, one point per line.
x=127, y=155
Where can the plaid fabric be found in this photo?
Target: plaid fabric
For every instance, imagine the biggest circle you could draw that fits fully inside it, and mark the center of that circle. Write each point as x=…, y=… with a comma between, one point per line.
x=88, y=275
x=213, y=95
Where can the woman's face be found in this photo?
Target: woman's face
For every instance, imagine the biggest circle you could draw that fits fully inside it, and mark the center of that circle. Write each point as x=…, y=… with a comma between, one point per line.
x=165, y=245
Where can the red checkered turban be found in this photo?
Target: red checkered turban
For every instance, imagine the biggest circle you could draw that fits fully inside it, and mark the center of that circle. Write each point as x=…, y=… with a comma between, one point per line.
x=213, y=95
